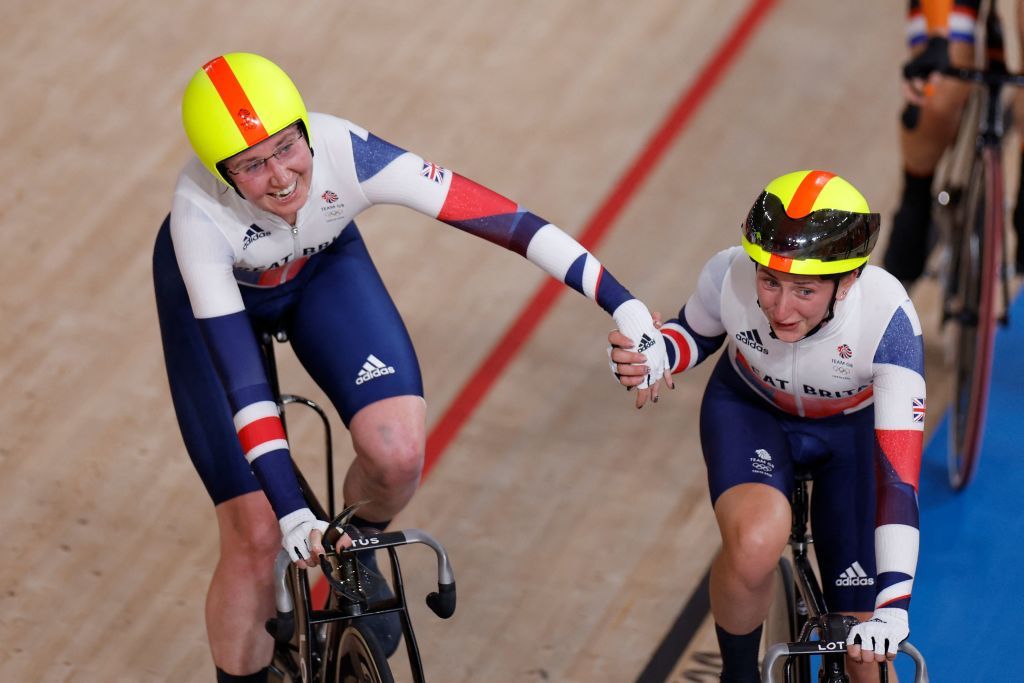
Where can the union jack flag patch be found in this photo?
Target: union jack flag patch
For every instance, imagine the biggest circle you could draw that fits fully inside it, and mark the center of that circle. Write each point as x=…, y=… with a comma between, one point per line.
x=432, y=171
x=918, y=409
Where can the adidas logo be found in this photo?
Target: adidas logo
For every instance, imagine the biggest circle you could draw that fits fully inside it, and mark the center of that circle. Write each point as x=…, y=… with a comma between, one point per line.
x=253, y=233
x=752, y=339
x=372, y=369
x=645, y=343
x=855, y=576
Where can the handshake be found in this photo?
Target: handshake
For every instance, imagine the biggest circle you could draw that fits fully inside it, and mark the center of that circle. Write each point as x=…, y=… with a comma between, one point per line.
x=637, y=353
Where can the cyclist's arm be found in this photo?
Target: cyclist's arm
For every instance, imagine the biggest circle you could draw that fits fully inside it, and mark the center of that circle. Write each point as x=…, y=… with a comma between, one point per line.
x=899, y=390
x=206, y=263
x=697, y=332
x=392, y=175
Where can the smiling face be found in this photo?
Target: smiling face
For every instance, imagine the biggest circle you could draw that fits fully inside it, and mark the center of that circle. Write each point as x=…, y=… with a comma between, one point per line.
x=796, y=304
x=275, y=174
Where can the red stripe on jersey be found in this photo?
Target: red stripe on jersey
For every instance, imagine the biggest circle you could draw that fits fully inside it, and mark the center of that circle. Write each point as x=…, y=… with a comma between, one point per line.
x=467, y=200
x=902, y=448
x=817, y=406
x=236, y=101
x=281, y=274
x=683, y=361
x=260, y=431
x=897, y=599
x=807, y=193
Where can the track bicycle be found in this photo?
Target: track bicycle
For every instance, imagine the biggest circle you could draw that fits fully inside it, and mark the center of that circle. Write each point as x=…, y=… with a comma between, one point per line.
x=800, y=624
x=330, y=643
x=974, y=273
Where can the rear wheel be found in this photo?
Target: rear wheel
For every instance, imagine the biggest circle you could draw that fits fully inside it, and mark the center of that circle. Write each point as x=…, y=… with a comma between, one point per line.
x=978, y=259
x=357, y=657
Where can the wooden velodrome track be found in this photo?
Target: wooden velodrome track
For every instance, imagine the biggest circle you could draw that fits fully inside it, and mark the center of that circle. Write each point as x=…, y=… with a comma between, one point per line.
x=578, y=526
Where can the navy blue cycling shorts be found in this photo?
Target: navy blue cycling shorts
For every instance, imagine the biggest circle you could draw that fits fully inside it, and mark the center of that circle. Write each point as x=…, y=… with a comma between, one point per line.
x=747, y=440
x=337, y=313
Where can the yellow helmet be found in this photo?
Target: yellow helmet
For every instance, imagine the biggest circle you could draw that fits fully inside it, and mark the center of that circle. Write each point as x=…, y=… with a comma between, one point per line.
x=810, y=223
x=236, y=101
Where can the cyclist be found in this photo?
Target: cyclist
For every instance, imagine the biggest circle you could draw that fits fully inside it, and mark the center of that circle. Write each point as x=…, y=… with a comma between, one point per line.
x=823, y=372
x=940, y=32
x=261, y=237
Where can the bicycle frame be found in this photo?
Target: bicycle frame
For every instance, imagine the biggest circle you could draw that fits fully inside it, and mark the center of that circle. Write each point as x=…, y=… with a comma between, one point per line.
x=987, y=127
x=309, y=660
x=831, y=629
x=310, y=656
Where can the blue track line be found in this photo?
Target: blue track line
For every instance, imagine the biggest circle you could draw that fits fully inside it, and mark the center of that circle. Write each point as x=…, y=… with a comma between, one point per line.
x=969, y=591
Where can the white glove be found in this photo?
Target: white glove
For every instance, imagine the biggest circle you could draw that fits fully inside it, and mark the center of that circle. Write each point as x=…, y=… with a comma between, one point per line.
x=635, y=321
x=883, y=632
x=295, y=529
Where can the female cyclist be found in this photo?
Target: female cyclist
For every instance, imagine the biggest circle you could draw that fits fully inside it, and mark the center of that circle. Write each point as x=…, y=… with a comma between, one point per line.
x=261, y=237
x=823, y=371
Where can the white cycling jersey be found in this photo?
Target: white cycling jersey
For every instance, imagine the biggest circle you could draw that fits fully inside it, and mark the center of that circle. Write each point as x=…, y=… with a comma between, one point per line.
x=223, y=242
x=830, y=372
x=869, y=354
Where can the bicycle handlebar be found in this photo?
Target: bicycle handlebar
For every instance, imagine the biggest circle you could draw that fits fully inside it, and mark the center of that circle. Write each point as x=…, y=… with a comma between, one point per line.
x=442, y=603
x=819, y=648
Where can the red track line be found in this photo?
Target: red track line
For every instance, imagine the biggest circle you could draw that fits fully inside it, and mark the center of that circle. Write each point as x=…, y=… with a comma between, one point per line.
x=533, y=313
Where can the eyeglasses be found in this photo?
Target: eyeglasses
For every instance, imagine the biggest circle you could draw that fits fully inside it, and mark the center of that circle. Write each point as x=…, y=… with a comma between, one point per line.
x=284, y=152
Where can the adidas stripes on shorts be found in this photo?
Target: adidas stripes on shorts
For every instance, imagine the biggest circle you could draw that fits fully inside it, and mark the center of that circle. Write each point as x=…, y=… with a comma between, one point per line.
x=747, y=440
x=342, y=326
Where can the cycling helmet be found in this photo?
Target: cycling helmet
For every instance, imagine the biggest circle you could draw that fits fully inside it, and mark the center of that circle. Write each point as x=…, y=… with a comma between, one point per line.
x=236, y=101
x=810, y=223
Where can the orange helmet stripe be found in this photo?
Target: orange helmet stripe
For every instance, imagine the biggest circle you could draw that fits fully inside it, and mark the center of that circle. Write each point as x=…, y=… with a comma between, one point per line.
x=236, y=101
x=780, y=263
x=807, y=193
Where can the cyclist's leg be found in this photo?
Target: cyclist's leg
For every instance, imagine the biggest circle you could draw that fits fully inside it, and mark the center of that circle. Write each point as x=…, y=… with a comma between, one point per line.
x=922, y=148
x=349, y=336
x=240, y=595
x=389, y=437
x=749, y=477
x=843, y=522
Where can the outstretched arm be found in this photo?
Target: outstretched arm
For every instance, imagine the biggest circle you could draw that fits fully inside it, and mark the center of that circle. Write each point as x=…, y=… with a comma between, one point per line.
x=389, y=174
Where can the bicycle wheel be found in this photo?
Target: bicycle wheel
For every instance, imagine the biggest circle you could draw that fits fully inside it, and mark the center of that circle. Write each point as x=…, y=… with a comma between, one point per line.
x=356, y=657
x=781, y=624
x=786, y=618
x=977, y=263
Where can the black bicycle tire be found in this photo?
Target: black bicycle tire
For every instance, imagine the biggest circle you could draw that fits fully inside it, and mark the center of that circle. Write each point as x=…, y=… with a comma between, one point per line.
x=784, y=609
x=980, y=257
x=780, y=625
x=354, y=647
